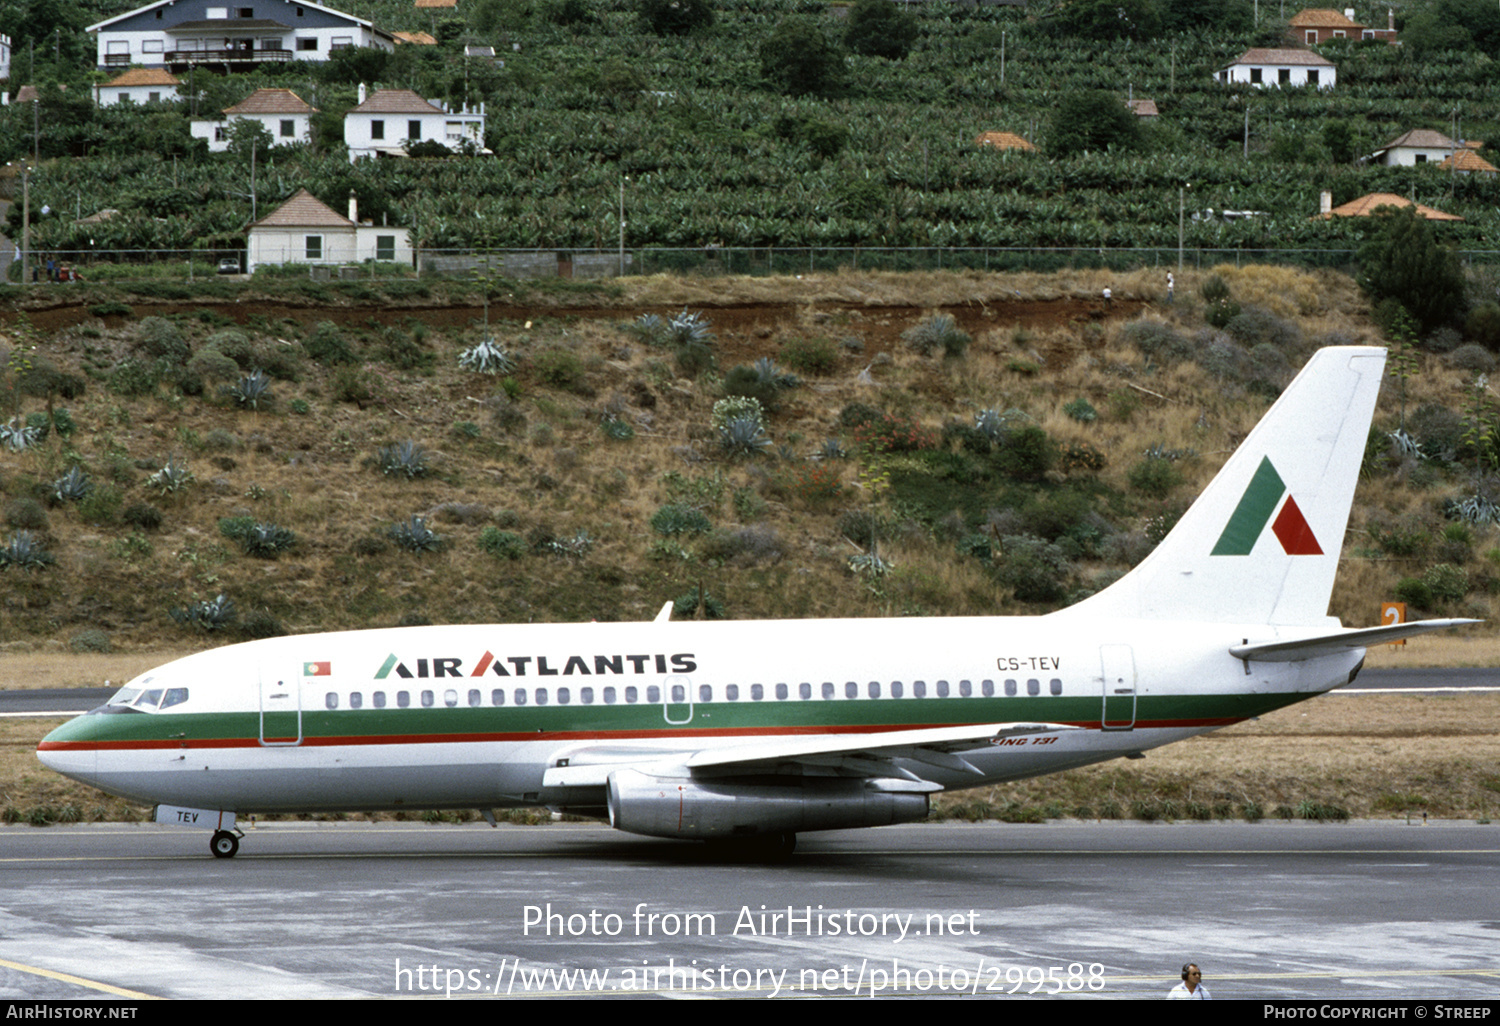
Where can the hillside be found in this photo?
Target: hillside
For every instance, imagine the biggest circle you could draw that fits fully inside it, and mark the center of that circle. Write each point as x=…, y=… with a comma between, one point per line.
x=698, y=141
x=589, y=481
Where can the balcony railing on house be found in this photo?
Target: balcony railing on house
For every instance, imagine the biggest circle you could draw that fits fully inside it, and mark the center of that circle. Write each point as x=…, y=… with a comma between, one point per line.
x=228, y=56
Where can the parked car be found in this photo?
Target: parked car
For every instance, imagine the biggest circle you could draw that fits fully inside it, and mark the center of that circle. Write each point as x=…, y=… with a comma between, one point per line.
x=229, y=265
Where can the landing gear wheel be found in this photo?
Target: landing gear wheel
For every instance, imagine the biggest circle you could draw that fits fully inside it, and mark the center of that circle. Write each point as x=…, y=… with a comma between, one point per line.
x=223, y=844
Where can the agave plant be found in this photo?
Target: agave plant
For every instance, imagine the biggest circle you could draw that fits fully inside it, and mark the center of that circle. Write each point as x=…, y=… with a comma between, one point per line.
x=252, y=389
x=939, y=331
x=488, y=357
x=407, y=459
x=267, y=541
x=990, y=424
x=650, y=329
x=172, y=478
x=207, y=615
x=743, y=436
x=576, y=546
x=72, y=486
x=688, y=330
x=16, y=435
x=24, y=552
x=767, y=373
x=415, y=536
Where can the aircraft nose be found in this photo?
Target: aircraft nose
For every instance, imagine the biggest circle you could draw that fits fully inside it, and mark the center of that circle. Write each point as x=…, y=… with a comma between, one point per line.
x=67, y=751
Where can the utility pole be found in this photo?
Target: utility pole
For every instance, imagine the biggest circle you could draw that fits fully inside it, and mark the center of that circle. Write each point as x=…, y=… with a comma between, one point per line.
x=25, y=225
x=623, y=180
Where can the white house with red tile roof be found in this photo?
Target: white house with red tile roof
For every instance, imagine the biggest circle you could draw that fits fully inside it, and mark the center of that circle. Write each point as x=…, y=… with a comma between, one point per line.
x=281, y=112
x=1419, y=146
x=138, y=85
x=389, y=120
x=304, y=230
x=1282, y=68
x=177, y=34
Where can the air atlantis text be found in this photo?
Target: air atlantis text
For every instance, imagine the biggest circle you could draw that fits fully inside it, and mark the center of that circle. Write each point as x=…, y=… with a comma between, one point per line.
x=644, y=920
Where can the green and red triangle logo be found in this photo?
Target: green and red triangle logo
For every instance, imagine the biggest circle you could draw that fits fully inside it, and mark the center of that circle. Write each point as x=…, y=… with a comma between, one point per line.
x=1256, y=507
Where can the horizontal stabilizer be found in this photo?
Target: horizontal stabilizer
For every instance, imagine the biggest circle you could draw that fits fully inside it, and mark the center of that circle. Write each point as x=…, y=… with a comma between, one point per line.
x=1332, y=644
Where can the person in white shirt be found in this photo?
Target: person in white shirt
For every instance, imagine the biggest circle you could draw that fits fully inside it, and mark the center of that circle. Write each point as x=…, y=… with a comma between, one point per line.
x=1191, y=988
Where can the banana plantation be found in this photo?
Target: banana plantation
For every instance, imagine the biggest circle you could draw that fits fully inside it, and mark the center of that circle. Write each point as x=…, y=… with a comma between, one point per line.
x=592, y=115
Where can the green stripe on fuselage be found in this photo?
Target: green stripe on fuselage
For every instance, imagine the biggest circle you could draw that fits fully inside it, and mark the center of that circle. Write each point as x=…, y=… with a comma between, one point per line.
x=769, y=717
x=1250, y=516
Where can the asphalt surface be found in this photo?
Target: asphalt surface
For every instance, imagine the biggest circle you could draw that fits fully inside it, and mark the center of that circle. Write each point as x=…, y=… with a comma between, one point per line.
x=327, y=910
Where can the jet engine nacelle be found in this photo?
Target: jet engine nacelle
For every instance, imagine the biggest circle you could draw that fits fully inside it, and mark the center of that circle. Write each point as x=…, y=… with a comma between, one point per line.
x=704, y=810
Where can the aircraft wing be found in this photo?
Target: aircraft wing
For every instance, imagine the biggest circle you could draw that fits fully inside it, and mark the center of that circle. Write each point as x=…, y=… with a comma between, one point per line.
x=871, y=755
x=1332, y=644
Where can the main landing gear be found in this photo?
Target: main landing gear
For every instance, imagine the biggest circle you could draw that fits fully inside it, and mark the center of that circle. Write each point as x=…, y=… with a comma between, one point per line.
x=224, y=843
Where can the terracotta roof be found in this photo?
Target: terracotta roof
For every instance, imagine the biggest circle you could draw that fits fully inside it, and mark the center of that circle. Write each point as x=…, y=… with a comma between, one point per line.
x=303, y=210
x=271, y=101
x=1322, y=17
x=420, y=38
x=1143, y=108
x=1468, y=160
x=1421, y=138
x=1295, y=58
x=144, y=77
x=1003, y=141
x=396, y=101
x=436, y=3
x=1367, y=205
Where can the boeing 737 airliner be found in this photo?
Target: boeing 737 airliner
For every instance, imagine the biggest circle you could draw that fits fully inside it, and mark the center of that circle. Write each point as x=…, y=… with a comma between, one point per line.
x=752, y=732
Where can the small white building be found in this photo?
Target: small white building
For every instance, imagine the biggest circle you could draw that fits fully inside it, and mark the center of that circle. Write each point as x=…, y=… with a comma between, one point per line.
x=304, y=230
x=287, y=116
x=1419, y=146
x=138, y=85
x=391, y=119
x=177, y=34
x=1285, y=69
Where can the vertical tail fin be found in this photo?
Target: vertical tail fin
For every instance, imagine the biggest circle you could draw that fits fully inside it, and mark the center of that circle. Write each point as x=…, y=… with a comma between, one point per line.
x=1261, y=544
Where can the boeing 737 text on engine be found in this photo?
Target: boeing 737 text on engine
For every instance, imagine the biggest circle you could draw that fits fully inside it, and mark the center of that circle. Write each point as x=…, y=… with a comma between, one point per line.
x=753, y=732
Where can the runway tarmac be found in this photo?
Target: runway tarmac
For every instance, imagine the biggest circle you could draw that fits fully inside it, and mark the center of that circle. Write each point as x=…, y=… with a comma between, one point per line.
x=321, y=910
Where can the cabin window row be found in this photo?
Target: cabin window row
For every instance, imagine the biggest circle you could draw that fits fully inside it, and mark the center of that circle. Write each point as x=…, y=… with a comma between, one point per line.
x=653, y=694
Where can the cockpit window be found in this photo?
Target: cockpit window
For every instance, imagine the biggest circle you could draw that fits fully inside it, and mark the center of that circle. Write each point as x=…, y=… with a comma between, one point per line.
x=174, y=696
x=149, y=699
x=124, y=696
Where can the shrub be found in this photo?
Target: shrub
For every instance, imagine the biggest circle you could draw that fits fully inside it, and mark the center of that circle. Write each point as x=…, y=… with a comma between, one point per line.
x=1074, y=457
x=1448, y=582
x=674, y=519
x=1035, y=570
x=894, y=434
x=1157, y=341
x=327, y=345
x=1027, y=455
x=816, y=484
x=501, y=544
x=675, y=17
x=939, y=331
x=881, y=28
x=90, y=639
x=1154, y=477
x=1082, y=411
x=735, y=408
x=1414, y=592
x=811, y=355
x=266, y=541
x=142, y=515
x=160, y=339
x=1475, y=359
x=25, y=513
x=559, y=368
